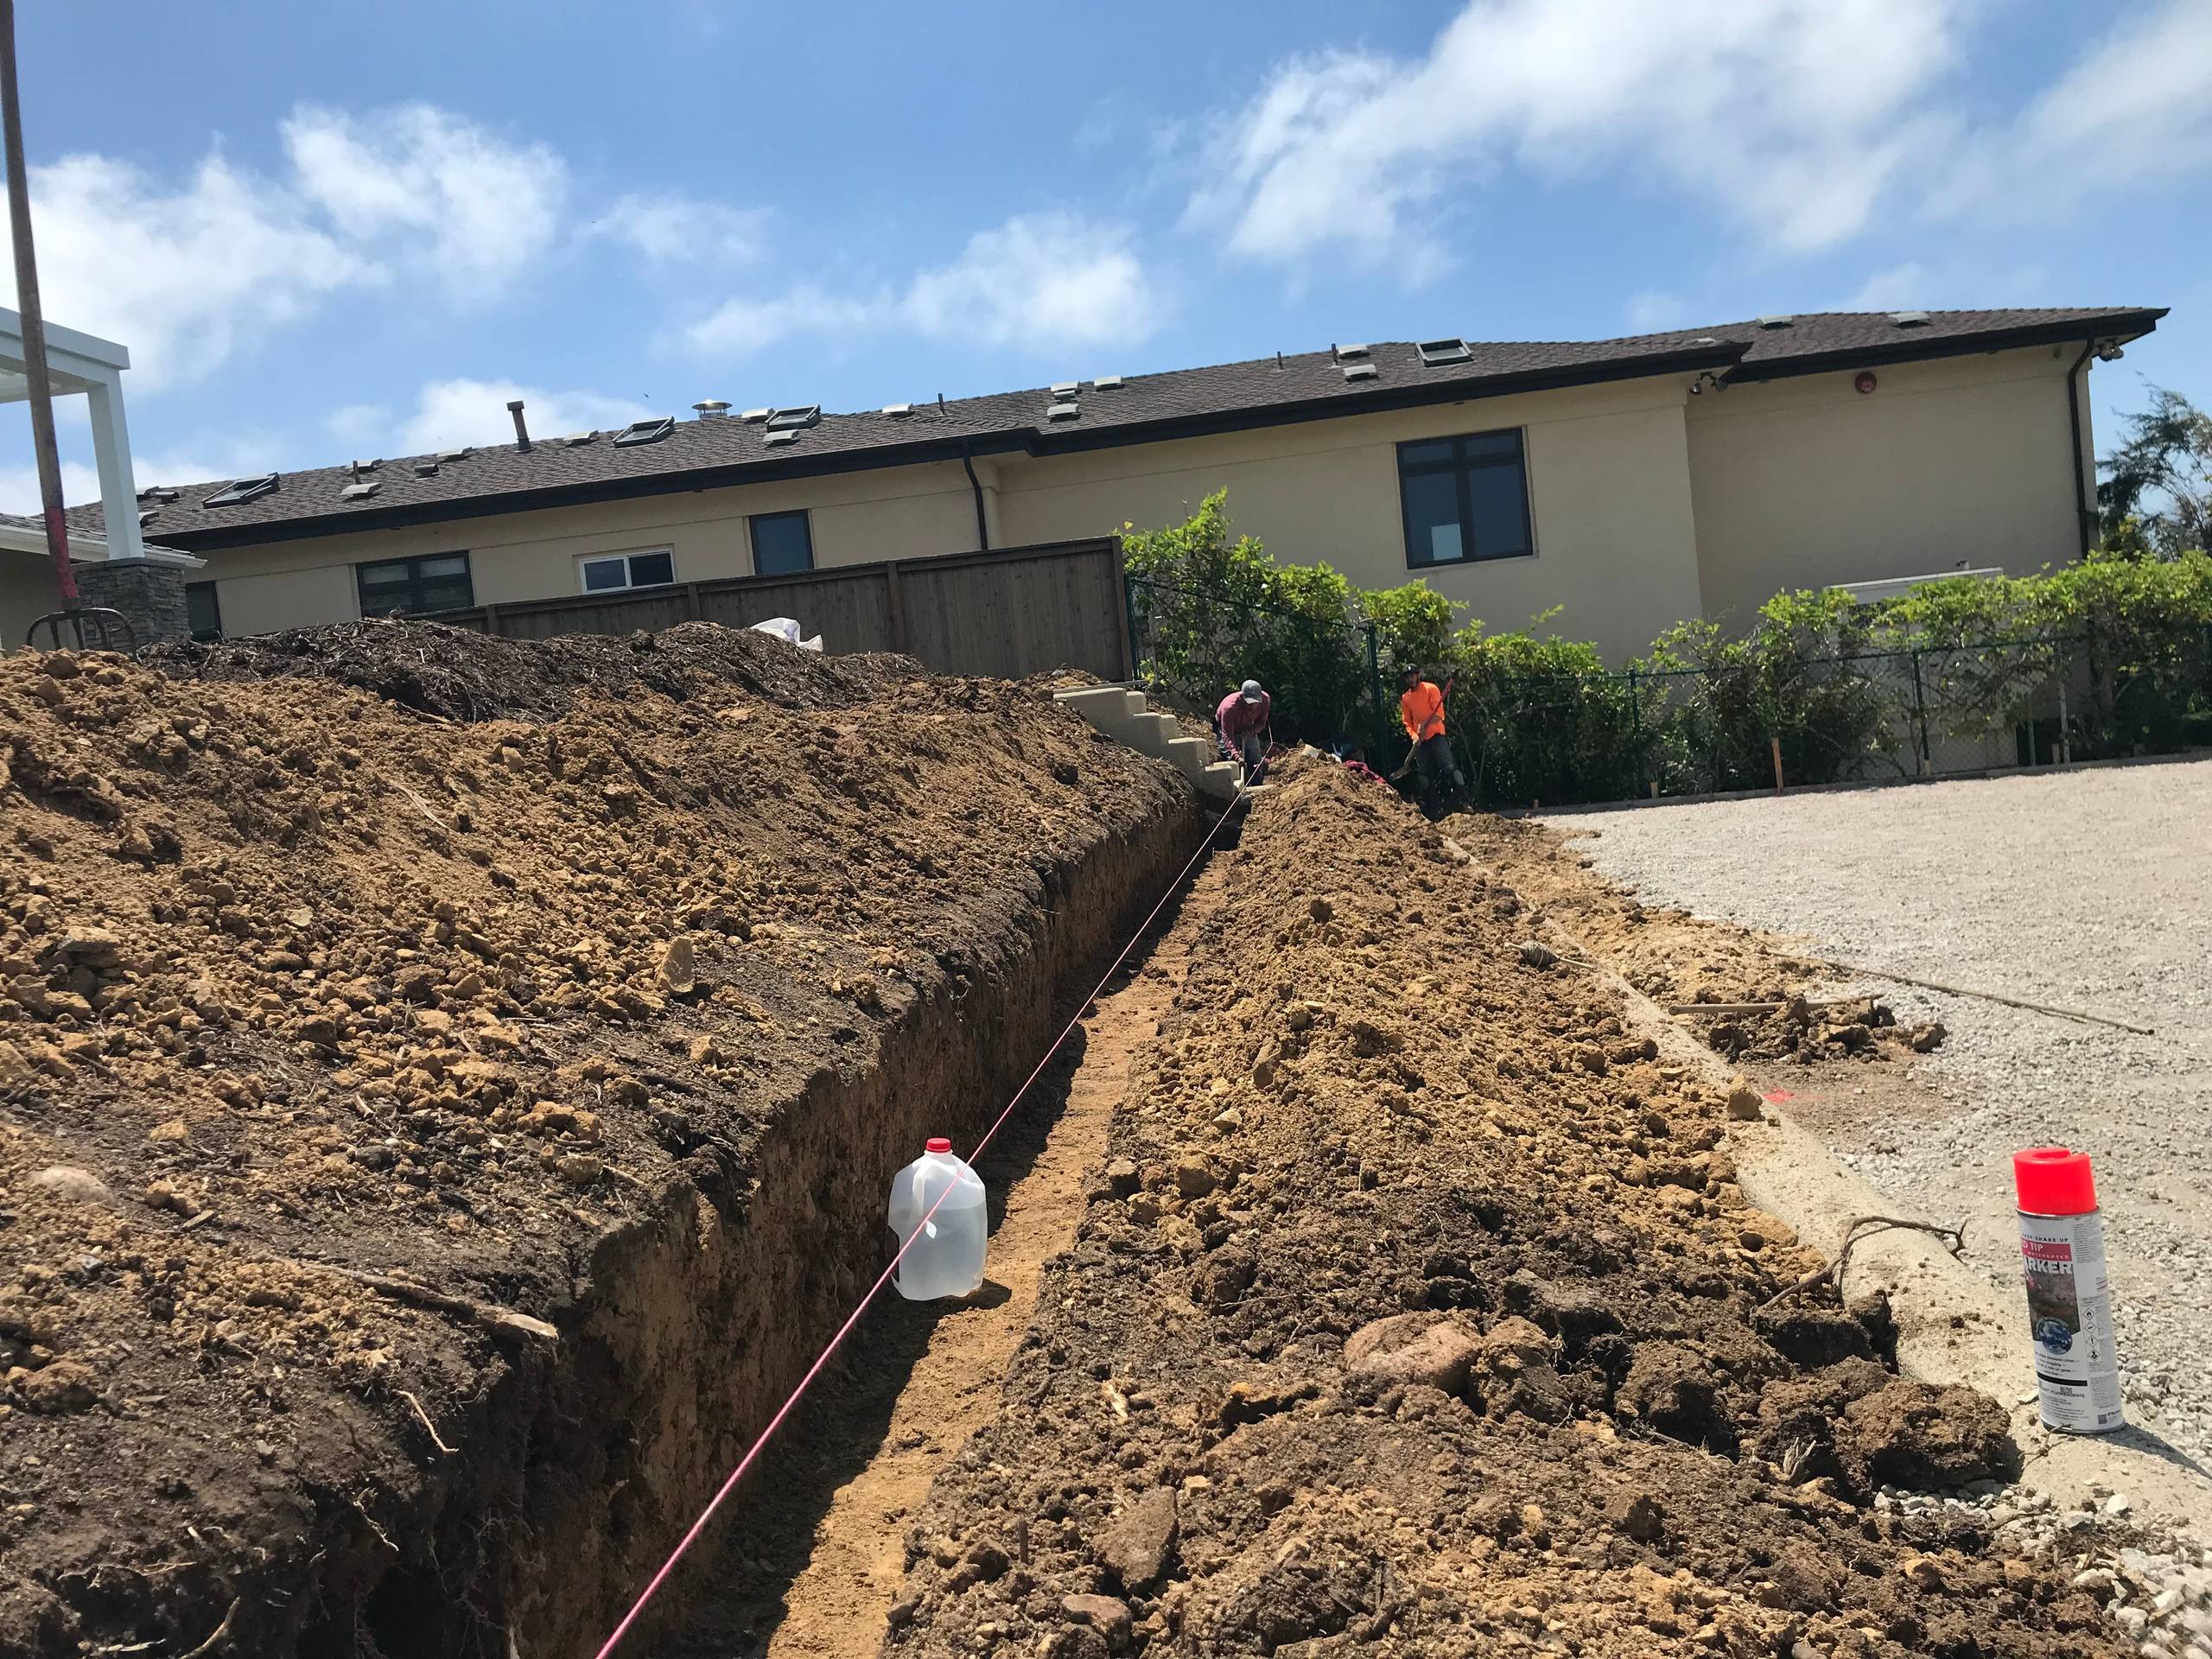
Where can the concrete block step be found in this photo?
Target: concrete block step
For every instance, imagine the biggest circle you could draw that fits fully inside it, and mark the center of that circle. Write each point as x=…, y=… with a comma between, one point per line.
x=1153, y=732
x=1220, y=779
x=1190, y=755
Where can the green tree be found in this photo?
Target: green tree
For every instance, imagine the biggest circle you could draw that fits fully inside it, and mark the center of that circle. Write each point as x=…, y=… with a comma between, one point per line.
x=2156, y=491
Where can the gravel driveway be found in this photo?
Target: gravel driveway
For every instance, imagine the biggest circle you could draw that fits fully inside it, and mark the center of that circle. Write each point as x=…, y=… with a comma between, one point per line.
x=2091, y=889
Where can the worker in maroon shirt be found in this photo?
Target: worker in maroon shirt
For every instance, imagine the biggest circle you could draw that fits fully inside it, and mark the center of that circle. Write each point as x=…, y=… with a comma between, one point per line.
x=1241, y=722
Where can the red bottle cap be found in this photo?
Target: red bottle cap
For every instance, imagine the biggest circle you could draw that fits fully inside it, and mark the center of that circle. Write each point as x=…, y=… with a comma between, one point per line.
x=939, y=1143
x=2052, y=1181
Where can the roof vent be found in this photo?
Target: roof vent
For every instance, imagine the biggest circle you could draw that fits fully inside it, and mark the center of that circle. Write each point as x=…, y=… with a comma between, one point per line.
x=426, y=469
x=1067, y=410
x=651, y=431
x=243, y=489
x=1705, y=340
x=1107, y=383
x=147, y=516
x=711, y=408
x=1359, y=370
x=454, y=455
x=157, y=492
x=360, y=466
x=359, y=491
x=778, y=440
x=1348, y=353
x=577, y=440
x=756, y=415
x=1776, y=320
x=897, y=411
x=1910, y=319
x=1434, y=352
x=795, y=420
x=1066, y=388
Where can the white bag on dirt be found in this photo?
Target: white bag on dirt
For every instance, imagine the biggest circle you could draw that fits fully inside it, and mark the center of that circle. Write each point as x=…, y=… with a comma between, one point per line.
x=787, y=630
x=947, y=1260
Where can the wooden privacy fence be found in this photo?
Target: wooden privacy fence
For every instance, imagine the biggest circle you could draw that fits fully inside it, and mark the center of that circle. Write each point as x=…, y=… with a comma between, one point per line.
x=1017, y=611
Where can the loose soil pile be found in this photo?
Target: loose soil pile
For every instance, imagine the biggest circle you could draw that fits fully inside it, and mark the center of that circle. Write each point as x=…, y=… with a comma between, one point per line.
x=402, y=1036
x=1675, y=958
x=1417, y=1311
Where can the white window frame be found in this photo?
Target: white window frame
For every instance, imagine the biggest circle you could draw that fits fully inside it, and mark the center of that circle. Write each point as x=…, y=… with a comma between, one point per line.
x=625, y=554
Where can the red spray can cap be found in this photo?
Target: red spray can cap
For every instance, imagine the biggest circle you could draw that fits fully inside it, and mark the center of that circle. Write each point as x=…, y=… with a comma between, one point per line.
x=937, y=1144
x=2052, y=1181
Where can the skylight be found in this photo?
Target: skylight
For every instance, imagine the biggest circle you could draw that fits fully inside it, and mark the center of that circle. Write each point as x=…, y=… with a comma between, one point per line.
x=359, y=491
x=1435, y=351
x=795, y=420
x=651, y=432
x=243, y=489
x=1359, y=370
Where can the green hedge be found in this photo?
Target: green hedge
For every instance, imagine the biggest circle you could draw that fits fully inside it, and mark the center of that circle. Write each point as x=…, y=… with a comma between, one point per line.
x=2122, y=642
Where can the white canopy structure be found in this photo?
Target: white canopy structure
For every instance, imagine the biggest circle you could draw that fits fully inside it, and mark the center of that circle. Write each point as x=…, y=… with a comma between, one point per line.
x=85, y=363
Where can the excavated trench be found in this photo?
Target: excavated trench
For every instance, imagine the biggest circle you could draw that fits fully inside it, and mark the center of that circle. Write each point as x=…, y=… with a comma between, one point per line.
x=692, y=1323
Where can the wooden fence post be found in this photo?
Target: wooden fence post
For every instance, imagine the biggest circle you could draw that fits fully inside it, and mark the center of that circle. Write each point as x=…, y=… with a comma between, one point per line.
x=895, y=605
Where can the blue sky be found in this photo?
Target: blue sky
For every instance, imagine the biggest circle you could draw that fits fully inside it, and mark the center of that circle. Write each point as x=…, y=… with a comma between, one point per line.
x=326, y=233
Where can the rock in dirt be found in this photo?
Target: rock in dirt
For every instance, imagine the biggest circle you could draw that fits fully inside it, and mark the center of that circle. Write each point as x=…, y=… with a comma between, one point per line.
x=678, y=971
x=1744, y=1102
x=1670, y=1386
x=1137, y=1547
x=1224, y=1277
x=1918, y=1435
x=63, y=1386
x=1638, y=1516
x=1425, y=1348
x=1103, y=1614
x=67, y=1181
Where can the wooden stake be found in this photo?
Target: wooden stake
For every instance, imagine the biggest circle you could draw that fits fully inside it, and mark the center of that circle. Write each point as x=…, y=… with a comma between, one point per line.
x=1775, y=743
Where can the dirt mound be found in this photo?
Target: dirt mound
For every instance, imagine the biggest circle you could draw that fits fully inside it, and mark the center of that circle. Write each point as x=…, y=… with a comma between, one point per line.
x=1769, y=1002
x=376, y=1089
x=465, y=675
x=1422, y=1301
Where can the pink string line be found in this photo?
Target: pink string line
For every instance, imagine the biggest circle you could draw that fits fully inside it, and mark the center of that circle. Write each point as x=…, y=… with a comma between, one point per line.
x=884, y=1278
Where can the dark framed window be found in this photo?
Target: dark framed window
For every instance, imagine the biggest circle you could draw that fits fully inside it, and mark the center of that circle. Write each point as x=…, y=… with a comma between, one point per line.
x=608, y=572
x=1464, y=499
x=781, y=543
x=433, y=581
x=203, y=615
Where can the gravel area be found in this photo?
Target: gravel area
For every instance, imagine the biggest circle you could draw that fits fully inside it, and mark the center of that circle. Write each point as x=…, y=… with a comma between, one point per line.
x=2090, y=889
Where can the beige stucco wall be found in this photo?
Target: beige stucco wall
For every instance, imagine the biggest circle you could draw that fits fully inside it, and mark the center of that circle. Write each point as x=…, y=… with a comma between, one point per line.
x=1609, y=493
x=896, y=512
x=1809, y=483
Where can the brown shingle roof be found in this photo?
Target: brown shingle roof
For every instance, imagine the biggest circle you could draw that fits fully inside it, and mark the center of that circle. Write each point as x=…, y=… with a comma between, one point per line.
x=1310, y=386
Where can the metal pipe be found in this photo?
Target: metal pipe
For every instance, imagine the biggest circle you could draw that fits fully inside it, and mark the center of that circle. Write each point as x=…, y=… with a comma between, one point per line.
x=522, y=432
x=982, y=529
x=2084, y=511
x=35, y=368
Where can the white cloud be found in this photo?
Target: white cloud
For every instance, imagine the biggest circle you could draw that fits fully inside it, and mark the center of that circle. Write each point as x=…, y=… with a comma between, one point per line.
x=1801, y=122
x=451, y=413
x=478, y=210
x=359, y=424
x=19, y=488
x=1040, y=281
x=2136, y=109
x=1901, y=288
x=672, y=230
x=186, y=272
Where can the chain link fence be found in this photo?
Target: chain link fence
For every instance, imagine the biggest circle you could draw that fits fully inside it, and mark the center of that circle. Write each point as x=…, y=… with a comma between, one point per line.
x=1553, y=739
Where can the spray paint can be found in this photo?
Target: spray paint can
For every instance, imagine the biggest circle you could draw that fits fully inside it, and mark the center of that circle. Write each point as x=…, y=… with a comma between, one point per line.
x=2069, y=1302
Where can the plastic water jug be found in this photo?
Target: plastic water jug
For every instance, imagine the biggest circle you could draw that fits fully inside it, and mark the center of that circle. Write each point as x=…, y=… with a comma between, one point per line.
x=948, y=1259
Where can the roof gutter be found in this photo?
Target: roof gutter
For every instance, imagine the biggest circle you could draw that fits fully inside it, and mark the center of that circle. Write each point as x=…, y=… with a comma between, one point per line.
x=982, y=529
x=2083, y=511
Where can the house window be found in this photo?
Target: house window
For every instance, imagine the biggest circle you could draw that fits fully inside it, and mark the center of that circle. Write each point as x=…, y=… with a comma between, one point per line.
x=435, y=581
x=782, y=545
x=203, y=615
x=1464, y=499
x=614, y=571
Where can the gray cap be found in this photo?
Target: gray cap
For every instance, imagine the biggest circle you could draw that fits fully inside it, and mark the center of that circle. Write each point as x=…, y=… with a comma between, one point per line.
x=1250, y=691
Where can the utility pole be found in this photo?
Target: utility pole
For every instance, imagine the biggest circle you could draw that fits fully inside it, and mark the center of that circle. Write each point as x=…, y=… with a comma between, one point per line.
x=35, y=371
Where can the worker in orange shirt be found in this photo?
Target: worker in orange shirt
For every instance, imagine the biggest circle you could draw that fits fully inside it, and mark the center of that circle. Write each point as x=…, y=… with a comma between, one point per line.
x=1420, y=706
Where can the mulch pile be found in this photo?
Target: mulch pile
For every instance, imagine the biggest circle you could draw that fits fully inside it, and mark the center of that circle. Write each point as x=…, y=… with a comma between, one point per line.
x=354, y=983
x=1418, y=1311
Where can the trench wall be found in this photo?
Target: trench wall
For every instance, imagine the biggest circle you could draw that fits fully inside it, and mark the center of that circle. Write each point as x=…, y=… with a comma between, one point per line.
x=692, y=1323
